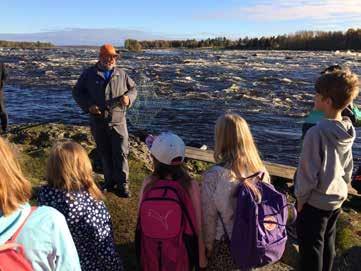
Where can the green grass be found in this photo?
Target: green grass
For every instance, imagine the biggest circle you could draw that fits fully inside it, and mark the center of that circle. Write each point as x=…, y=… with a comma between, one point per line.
x=124, y=214
x=33, y=164
x=348, y=232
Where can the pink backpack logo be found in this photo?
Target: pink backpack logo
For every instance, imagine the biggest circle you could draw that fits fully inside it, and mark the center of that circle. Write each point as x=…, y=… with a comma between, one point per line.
x=12, y=255
x=165, y=236
x=162, y=219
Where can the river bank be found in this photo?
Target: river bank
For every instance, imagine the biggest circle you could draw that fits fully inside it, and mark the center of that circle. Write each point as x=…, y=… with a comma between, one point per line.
x=32, y=143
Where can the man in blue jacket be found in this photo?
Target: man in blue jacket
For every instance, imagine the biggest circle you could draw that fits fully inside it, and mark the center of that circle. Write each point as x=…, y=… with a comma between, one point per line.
x=105, y=92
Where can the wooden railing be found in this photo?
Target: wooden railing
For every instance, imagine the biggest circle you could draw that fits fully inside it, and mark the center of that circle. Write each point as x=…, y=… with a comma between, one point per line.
x=276, y=170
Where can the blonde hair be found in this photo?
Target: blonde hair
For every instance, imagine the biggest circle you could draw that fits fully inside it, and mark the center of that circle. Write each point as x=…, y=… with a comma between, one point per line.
x=15, y=189
x=236, y=150
x=70, y=169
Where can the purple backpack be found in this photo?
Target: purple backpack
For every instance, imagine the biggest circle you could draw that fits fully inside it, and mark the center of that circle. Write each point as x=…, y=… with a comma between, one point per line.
x=259, y=232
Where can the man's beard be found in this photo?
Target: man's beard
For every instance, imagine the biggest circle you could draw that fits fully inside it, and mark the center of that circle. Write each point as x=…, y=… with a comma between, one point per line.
x=107, y=67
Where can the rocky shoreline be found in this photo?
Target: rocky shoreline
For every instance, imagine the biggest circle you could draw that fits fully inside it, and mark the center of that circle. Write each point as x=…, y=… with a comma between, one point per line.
x=33, y=141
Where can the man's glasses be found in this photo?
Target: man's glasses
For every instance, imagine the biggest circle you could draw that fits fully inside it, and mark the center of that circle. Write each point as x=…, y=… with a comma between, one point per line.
x=109, y=57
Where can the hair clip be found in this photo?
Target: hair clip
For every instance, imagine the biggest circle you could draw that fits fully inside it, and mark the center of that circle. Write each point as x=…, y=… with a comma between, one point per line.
x=149, y=141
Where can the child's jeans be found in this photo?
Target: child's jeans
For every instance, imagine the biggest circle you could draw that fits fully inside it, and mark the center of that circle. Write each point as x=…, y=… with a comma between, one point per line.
x=316, y=230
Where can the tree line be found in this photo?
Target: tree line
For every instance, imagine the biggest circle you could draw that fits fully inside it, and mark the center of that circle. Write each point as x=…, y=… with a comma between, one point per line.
x=302, y=40
x=25, y=44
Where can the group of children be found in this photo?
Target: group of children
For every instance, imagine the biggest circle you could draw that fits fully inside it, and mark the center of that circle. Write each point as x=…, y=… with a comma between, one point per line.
x=71, y=228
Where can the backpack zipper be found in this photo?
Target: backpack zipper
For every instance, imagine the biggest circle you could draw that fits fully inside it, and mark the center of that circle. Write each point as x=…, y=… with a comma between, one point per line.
x=160, y=255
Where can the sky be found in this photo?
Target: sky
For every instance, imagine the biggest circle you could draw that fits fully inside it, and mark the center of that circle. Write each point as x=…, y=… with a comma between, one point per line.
x=178, y=19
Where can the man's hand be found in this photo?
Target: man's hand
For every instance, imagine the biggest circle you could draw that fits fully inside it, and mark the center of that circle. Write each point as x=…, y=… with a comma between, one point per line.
x=125, y=100
x=94, y=110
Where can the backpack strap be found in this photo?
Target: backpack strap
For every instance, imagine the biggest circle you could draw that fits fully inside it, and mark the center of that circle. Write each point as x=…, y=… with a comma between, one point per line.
x=224, y=227
x=16, y=234
x=259, y=174
x=14, y=246
x=185, y=211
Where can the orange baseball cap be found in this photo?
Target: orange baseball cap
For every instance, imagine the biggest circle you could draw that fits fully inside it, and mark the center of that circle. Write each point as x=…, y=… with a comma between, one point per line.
x=108, y=49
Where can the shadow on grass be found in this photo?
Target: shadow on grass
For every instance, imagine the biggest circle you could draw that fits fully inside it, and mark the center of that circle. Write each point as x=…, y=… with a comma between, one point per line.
x=353, y=202
x=127, y=252
x=349, y=261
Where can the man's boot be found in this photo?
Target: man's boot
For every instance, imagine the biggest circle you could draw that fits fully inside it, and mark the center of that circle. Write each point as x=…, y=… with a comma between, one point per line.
x=124, y=191
x=106, y=187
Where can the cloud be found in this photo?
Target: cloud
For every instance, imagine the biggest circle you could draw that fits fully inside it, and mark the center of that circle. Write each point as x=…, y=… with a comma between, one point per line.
x=281, y=10
x=98, y=36
x=84, y=36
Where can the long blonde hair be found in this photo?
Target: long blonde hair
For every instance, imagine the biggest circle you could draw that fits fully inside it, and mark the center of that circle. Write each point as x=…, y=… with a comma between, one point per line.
x=70, y=169
x=15, y=189
x=236, y=150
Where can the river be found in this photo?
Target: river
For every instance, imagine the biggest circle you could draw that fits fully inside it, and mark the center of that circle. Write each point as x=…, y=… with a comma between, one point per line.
x=183, y=91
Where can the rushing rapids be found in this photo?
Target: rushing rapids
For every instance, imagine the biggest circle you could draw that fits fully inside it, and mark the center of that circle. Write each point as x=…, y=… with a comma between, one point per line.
x=183, y=90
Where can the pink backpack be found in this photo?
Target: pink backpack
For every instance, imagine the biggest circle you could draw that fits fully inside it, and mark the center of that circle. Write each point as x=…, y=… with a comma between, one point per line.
x=12, y=255
x=166, y=238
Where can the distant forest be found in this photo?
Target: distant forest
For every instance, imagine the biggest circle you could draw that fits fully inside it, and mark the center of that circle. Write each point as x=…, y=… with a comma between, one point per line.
x=303, y=40
x=24, y=44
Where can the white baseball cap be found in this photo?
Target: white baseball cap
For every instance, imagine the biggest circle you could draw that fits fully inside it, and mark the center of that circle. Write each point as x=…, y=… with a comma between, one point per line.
x=166, y=147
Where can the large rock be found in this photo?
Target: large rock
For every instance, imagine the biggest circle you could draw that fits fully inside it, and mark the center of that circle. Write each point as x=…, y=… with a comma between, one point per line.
x=37, y=137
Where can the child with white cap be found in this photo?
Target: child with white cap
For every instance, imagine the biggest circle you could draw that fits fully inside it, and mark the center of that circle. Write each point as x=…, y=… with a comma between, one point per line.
x=168, y=234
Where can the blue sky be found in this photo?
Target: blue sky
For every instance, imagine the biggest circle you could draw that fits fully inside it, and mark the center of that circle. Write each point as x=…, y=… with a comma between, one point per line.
x=181, y=19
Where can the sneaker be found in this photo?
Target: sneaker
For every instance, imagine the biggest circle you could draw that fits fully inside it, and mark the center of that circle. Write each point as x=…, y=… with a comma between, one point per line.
x=123, y=191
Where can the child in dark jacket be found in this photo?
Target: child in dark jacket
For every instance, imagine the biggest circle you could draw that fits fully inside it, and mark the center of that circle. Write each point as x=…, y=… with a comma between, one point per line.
x=324, y=170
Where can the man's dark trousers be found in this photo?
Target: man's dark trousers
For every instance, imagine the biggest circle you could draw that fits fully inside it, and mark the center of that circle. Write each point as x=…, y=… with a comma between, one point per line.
x=316, y=230
x=113, y=148
x=3, y=114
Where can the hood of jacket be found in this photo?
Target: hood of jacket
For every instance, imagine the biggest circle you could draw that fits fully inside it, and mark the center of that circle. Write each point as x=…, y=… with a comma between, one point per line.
x=340, y=134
